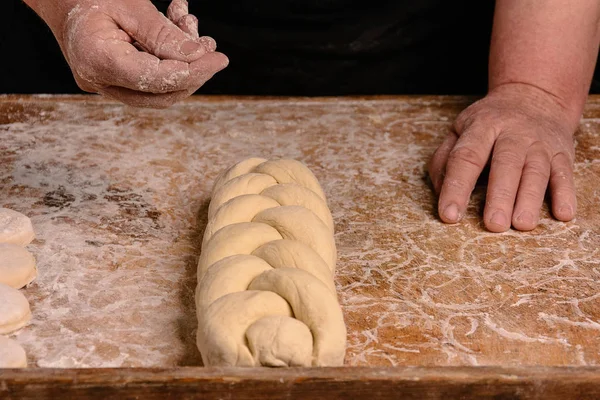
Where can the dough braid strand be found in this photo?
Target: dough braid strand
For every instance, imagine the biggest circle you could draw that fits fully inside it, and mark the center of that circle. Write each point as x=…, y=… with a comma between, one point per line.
x=265, y=294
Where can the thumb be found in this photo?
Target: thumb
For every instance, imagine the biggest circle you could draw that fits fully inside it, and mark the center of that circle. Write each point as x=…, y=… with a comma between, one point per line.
x=158, y=35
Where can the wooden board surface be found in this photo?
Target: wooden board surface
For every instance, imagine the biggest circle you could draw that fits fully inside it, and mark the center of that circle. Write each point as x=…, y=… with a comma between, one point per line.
x=118, y=198
x=334, y=383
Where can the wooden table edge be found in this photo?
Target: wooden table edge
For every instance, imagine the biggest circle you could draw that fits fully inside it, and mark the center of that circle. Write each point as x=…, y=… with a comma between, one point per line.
x=526, y=382
x=217, y=98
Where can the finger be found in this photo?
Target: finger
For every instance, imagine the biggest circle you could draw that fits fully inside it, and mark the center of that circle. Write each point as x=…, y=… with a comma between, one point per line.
x=505, y=174
x=144, y=100
x=208, y=42
x=465, y=163
x=208, y=66
x=193, y=89
x=177, y=9
x=140, y=71
x=178, y=14
x=158, y=35
x=437, y=164
x=532, y=189
x=562, y=188
x=189, y=24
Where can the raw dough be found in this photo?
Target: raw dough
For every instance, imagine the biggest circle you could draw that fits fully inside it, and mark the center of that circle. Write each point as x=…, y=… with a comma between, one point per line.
x=14, y=309
x=265, y=293
x=12, y=354
x=15, y=228
x=17, y=266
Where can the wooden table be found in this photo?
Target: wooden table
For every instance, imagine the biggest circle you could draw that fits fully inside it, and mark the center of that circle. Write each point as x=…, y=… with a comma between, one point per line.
x=119, y=196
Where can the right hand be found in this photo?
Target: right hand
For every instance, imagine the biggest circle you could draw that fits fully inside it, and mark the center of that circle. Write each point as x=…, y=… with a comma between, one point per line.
x=526, y=137
x=100, y=41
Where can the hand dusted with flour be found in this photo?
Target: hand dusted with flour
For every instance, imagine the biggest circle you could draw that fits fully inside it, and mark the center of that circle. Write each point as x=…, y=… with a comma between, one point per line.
x=129, y=51
x=265, y=292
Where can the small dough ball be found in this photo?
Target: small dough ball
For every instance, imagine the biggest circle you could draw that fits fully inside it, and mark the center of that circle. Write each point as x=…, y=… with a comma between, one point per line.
x=17, y=266
x=14, y=309
x=12, y=354
x=15, y=228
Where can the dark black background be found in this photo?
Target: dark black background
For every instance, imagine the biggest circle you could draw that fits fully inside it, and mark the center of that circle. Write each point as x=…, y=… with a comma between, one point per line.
x=294, y=47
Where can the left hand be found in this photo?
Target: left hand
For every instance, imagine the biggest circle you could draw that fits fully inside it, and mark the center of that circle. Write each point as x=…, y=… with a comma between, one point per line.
x=526, y=135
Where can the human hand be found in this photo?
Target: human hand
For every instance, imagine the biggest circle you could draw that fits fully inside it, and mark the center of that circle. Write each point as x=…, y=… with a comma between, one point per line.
x=129, y=51
x=526, y=135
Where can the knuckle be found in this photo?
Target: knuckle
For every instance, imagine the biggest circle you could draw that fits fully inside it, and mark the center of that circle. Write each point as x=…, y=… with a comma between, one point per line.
x=541, y=148
x=459, y=185
x=160, y=38
x=476, y=115
x=170, y=36
x=531, y=194
x=538, y=170
x=500, y=194
x=466, y=155
x=465, y=120
x=510, y=140
x=460, y=122
x=507, y=158
x=564, y=160
x=562, y=173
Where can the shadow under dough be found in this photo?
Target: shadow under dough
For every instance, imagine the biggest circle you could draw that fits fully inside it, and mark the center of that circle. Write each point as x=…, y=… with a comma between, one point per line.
x=188, y=325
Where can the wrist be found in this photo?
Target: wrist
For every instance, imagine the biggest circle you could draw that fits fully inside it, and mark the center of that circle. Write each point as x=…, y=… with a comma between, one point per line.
x=538, y=99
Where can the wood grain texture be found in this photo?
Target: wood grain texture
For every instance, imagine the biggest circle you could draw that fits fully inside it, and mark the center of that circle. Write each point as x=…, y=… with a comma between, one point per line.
x=333, y=383
x=118, y=199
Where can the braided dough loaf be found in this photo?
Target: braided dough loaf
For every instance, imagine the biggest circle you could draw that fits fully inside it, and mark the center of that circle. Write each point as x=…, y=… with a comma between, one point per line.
x=265, y=294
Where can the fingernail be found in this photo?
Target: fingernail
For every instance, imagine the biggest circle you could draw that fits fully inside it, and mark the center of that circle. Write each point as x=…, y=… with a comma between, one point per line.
x=525, y=217
x=189, y=47
x=565, y=210
x=498, y=218
x=451, y=212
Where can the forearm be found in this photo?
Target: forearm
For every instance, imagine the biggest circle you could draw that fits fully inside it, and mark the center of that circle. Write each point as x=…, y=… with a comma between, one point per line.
x=551, y=45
